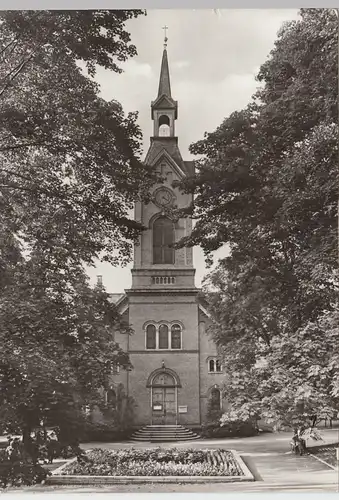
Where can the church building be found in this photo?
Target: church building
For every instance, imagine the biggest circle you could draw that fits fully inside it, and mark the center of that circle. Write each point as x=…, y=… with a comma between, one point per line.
x=175, y=365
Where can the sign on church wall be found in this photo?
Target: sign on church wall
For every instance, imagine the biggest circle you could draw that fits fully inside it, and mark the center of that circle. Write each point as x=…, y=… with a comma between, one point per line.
x=182, y=409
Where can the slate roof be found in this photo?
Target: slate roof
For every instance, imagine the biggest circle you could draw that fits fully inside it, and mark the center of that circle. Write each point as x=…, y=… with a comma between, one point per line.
x=164, y=82
x=115, y=297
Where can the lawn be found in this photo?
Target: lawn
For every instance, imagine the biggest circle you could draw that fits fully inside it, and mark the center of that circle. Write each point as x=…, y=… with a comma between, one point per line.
x=156, y=462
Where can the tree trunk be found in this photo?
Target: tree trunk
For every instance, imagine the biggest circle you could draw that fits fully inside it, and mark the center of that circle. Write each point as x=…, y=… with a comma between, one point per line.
x=29, y=446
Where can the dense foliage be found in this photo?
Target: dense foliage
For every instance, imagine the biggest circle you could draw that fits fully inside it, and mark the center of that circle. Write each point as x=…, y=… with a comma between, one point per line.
x=57, y=349
x=70, y=172
x=267, y=187
x=71, y=165
x=17, y=468
x=224, y=429
x=116, y=422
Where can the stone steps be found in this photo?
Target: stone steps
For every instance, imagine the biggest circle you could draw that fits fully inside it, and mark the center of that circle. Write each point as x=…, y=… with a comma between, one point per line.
x=163, y=433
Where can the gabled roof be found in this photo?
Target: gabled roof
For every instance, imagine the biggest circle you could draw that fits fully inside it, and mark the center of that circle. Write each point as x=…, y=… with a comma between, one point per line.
x=169, y=146
x=156, y=155
x=120, y=301
x=116, y=297
x=203, y=309
x=164, y=102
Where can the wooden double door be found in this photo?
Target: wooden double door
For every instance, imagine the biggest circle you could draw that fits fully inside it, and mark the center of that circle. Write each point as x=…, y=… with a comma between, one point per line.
x=164, y=406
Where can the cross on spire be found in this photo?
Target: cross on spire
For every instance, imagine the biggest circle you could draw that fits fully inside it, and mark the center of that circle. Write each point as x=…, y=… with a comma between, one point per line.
x=165, y=28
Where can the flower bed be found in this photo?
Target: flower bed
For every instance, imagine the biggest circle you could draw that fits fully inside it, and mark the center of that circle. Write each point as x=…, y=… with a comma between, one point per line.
x=156, y=462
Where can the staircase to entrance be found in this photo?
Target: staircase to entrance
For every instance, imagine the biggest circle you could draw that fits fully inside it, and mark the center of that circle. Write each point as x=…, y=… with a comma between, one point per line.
x=164, y=433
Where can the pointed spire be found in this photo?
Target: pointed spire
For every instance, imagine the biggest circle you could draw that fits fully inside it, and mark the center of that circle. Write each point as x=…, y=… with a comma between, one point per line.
x=164, y=82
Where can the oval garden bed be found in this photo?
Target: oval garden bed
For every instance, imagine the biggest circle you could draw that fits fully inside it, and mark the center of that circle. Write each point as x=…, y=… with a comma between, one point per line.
x=153, y=464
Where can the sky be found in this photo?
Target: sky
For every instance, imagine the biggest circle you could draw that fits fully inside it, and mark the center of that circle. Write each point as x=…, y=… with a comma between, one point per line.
x=213, y=61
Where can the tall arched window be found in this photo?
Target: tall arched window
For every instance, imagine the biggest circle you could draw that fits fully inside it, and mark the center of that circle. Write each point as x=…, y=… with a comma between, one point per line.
x=111, y=398
x=151, y=337
x=176, y=337
x=163, y=238
x=163, y=337
x=216, y=398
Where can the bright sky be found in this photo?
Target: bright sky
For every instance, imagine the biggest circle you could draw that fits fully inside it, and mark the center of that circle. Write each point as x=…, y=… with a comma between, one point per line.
x=213, y=61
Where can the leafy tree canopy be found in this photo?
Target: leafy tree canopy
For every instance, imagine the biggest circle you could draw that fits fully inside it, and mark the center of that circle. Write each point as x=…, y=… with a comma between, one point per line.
x=70, y=172
x=267, y=186
x=71, y=165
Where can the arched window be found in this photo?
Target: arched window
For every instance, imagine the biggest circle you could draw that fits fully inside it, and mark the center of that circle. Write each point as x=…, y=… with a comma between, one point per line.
x=214, y=365
x=176, y=337
x=216, y=398
x=163, y=238
x=164, y=126
x=111, y=398
x=151, y=337
x=163, y=337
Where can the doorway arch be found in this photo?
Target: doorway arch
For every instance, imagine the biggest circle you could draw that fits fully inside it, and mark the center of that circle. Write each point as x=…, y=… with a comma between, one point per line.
x=163, y=384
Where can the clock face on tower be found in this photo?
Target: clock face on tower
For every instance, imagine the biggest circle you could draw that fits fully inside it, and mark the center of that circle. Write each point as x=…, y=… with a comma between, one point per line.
x=163, y=197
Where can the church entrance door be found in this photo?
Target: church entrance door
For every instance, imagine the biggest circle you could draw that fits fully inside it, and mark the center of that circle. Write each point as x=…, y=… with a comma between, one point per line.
x=164, y=400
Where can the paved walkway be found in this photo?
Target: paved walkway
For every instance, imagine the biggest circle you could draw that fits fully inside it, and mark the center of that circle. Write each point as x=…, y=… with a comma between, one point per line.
x=268, y=457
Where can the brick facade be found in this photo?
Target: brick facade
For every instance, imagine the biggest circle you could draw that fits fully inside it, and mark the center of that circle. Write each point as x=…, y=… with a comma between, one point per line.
x=166, y=293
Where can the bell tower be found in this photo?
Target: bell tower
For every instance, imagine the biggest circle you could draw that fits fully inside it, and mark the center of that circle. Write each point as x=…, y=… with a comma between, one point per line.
x=163, y=302
x=157, y=265
x=164, y=110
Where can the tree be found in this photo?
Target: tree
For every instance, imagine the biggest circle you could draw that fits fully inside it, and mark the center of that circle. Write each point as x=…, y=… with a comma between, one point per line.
x=295, y=384
x=266, y=186
x=57, y=345
x=70, y=172
x=68, y=157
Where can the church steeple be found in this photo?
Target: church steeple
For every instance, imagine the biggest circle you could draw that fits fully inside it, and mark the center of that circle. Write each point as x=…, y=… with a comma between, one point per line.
x=164, y=81
x=156, y=263
x=164, y=108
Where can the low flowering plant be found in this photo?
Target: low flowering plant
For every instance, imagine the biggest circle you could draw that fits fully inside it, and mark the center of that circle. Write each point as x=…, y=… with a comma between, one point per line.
x=156, y=462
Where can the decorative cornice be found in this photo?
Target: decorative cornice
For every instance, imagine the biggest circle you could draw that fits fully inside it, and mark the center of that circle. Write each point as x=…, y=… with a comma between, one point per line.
x=162, y=291
x=155, y=270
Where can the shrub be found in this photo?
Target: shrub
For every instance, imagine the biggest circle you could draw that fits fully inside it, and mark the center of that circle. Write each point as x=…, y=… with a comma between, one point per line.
x=230, y=429
x=17, y=468
x=116, y=422
x=104, y=432
x=222, y=425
